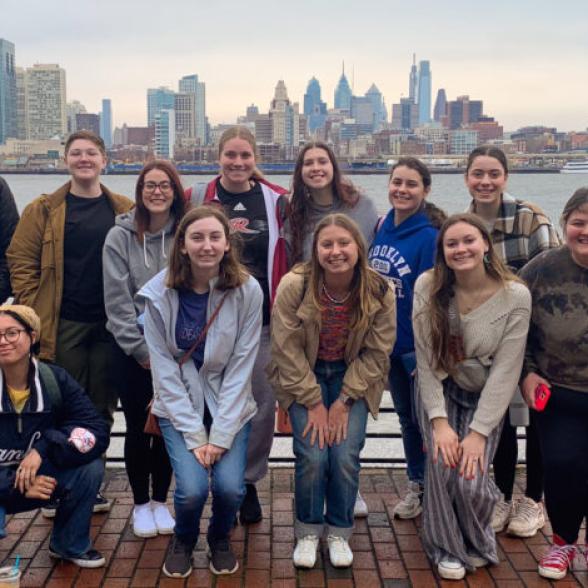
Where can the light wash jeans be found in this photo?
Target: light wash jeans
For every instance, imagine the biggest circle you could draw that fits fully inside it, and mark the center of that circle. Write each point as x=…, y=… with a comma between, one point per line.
x=330, y=474
x=227, y=484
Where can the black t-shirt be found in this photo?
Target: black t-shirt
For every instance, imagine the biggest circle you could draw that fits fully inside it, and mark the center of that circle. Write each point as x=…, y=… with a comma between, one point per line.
x=248, y=217
x=87, y=221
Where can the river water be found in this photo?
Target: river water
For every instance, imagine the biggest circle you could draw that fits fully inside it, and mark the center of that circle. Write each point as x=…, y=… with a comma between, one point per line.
x=549, y=191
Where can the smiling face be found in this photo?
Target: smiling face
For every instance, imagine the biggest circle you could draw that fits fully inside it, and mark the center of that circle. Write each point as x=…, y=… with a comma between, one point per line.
x=158, y=192
x=237, y=163
x=205, y=243
x=576, y=235
x=317, y=169
x=16, y=351
x=85, y=161
x=486, y=180
x=337, y=251
x=406, y=191
x=464, y=247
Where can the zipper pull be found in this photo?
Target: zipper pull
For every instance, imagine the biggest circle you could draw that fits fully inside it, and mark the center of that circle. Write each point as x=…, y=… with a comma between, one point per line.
x=19, y=424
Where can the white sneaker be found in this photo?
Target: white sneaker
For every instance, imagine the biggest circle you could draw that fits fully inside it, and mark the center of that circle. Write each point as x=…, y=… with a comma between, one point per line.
x=340, y=553
x=477, y=560
x=411, y=505
x=360, y=510
x=450, y=568
x=527, y=518
x=305, y=551
x=501, y=515
x=164, y=521
x=143, y=521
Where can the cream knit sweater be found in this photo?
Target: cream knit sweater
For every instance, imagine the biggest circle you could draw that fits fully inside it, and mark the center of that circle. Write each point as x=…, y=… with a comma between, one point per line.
x=494, y=337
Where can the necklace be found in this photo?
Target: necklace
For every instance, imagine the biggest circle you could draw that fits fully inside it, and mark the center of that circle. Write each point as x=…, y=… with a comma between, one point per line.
x=333, y=299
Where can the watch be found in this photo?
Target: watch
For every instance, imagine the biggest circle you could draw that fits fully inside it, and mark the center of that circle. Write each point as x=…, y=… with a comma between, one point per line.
x=346, y=400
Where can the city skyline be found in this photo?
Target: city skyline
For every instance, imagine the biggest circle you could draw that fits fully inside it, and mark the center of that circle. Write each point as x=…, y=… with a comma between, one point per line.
x=527, y=66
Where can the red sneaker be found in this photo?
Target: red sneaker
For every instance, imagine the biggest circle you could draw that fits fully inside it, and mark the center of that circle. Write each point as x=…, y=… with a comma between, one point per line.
x=560, y=557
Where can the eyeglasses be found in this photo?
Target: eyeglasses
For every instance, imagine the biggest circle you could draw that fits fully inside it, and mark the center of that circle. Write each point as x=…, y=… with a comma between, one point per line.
x=150, y=187
x=11, y=335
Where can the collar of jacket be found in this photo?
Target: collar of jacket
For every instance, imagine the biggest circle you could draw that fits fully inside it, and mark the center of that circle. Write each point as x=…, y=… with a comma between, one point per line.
x=57, y=198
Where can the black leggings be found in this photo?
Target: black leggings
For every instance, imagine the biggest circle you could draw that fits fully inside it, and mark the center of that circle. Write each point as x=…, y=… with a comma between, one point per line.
x=506, y=457
x=145, y=455
x=563, y=432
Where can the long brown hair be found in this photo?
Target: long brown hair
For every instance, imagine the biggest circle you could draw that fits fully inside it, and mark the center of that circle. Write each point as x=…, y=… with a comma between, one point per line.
x=366, y=283
x=239, y=132
x=142, y=216
x=343, y=191
x=442, y=288
x=231, y=273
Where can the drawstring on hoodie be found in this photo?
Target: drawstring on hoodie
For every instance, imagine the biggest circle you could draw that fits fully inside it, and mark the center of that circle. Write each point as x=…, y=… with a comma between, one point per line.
x=162, y=248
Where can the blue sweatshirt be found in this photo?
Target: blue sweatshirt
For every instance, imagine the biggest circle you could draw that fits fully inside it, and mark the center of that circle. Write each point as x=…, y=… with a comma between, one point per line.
x=401, y=254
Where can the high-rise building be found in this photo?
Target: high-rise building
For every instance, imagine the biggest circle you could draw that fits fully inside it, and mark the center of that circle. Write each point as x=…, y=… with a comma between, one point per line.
x=463, y=111
x=158, y=99
x=343, y=93
x=413, y=80
x=72, y=109
x=106, y=122
x=8, y=113
x=378, y=109
x=165, y=133
x=21, y=104
x=315, y=109
x=88, y=122
x=45, y=101
x=424, y=92
x=285, y=117
x=440, y=105
x=191, y=85
x=405, y=115
x=185, y=109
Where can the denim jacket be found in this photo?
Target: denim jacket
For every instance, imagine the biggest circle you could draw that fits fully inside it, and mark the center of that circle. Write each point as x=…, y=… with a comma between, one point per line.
x=224, y=380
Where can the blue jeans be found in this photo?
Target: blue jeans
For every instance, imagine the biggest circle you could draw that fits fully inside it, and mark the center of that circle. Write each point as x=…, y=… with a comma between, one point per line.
x=227, y=484
x=402, y=389
x=330, y=474
x=76, y=489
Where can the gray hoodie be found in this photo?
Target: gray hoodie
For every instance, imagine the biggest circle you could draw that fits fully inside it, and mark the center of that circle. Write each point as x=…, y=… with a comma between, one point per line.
x=224, y=380
x=128, y=265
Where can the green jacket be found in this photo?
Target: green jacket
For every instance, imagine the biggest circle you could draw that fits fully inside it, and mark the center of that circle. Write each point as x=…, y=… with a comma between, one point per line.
x=35, y=259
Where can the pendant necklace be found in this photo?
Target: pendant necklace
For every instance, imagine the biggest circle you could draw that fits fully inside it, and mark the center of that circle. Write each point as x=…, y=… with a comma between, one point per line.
x=334, y=300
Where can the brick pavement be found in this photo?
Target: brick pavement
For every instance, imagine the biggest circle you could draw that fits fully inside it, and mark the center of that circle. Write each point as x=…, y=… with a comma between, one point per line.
x=387, y=553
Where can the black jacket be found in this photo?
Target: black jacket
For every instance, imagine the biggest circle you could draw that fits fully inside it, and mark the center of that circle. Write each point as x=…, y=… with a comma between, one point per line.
x=47, y=428
x=8, y=222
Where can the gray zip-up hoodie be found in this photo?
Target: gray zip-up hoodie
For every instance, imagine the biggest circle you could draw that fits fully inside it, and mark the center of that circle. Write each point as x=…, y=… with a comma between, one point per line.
x=224, y=380
x=128, y=265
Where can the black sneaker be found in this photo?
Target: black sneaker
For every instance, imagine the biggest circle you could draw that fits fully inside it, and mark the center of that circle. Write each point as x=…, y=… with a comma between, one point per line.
x=222, y=558
x=50, y=508
x=250, y=511
x=90, y=559
x=102, y=504
x=178, y=561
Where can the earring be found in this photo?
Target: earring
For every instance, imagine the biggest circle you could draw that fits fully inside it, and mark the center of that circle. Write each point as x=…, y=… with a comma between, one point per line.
x=486, y=259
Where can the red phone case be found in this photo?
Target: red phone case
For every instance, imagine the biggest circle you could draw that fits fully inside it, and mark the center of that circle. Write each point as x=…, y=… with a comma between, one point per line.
x=542, y=394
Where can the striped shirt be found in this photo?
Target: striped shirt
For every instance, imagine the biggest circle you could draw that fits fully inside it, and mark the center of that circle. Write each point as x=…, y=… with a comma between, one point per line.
x=335, y=319
x=521, y=231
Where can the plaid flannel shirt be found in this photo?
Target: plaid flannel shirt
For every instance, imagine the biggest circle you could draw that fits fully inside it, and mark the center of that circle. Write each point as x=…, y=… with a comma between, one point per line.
x=521, y=231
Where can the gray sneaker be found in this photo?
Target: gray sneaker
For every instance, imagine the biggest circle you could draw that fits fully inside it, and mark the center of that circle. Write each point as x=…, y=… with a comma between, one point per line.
x=411, y=505
x=178, y=561
x=222, y=558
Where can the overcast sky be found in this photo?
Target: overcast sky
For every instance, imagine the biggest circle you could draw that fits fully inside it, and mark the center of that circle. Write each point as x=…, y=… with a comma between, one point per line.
x=528, y=60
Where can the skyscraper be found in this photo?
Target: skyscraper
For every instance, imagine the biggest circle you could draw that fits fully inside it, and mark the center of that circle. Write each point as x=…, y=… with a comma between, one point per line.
x=314, y=108
x=158, y=99
x=72, y=109
x=413, y=80
x=191, y=85
x=45, y=101
x=284, y=117
x=89, y=122
x=378, y=109
x=21, y=103
x=106, y=122
x=165, y=133
x=424, y=92
x=463, y=111
x=8, y=116
x=343, y=93
x=440, y=105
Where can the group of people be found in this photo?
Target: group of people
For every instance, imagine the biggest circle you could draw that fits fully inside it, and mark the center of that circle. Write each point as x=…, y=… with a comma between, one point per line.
x=200, y=307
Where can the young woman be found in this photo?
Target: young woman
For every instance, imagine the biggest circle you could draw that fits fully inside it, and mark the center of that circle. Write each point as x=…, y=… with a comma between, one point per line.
x=471, y=317
x=202, y=327
x=51, y=439
x=136, y=249
x=257, y=211
x=333, y=328
x=520, y=230
x=404, y=248
x=55, y=260
x=319, y=189
x=556, y=354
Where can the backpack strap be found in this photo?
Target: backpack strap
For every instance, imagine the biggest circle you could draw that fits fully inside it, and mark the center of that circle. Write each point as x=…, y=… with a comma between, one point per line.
x=50, y=382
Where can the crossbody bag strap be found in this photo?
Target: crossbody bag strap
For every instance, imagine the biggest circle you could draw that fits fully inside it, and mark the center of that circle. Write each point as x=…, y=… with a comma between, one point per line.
x=188, y=353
